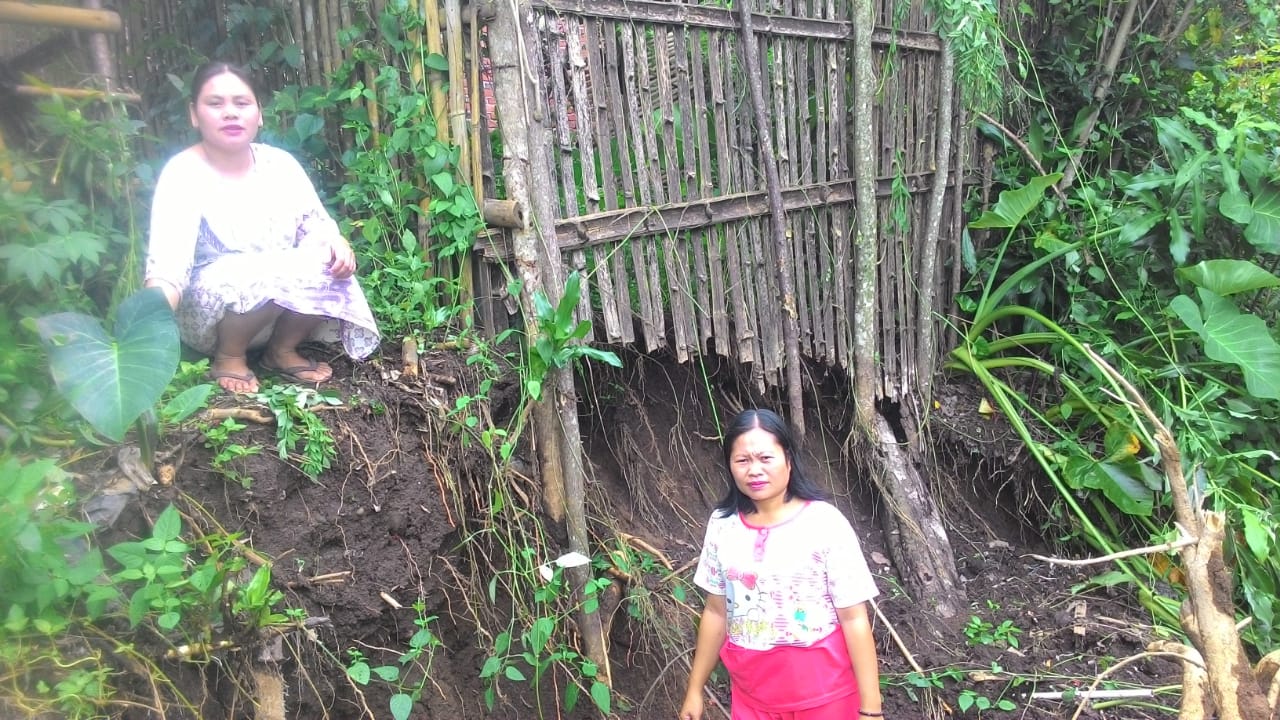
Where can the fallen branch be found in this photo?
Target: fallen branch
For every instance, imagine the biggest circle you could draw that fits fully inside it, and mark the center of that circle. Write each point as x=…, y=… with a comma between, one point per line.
x=1166, y=547
x=249, y=414
x=1035, y=161
x=333, y=577
x=1093, y=688
x=1196, y=704
x=1123, y=694
x=897, y=639
x=1236, y=692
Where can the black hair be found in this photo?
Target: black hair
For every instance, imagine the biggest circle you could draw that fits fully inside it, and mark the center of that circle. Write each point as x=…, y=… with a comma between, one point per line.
x=214, y=68
x=800, y=485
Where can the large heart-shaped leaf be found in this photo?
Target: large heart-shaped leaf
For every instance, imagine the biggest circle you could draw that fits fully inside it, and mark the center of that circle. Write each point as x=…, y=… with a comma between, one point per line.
x=1015, y=204
x=1228, y=277
x=1132, y=495
x=1234, y=337
x=1263, y=230
x=109, y=380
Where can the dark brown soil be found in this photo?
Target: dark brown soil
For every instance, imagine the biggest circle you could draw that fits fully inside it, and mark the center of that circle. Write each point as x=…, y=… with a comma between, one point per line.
x=401, y=518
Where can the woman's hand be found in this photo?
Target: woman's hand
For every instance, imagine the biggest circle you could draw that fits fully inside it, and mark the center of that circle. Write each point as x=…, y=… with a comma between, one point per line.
x=692, y=708
x=342, y=261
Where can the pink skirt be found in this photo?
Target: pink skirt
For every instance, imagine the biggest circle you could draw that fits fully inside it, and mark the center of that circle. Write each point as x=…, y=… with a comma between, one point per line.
x=785, y=682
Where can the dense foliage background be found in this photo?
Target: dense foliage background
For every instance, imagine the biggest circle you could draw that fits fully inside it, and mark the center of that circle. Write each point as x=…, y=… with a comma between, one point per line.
x=1139, y=215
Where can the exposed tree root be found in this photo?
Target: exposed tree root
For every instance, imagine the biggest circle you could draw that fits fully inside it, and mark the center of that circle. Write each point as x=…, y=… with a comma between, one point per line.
x=269, y=693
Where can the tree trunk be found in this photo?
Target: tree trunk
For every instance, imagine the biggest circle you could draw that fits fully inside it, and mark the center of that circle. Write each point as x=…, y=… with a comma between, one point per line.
x=537, y=258
x=777, y=223
x=923, y=553
x=926, y=340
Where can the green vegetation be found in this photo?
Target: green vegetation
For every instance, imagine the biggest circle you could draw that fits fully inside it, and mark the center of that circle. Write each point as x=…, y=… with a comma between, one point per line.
x=296, y=422
x=1164, y=265
x=411, y=672
x=983, y=632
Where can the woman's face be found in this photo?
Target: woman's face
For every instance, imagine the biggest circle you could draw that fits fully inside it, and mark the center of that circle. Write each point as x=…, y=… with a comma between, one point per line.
x=759, y=466
x=226, y=113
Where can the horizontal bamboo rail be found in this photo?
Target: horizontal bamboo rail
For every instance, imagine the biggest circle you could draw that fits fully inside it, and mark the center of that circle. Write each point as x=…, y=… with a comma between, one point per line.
x=21, y=13
x=723, y=19
x=613, y=225
x=75, y=93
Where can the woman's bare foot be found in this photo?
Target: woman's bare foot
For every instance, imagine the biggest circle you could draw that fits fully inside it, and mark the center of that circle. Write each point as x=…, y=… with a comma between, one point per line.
x=292, y=366
x=232, y=374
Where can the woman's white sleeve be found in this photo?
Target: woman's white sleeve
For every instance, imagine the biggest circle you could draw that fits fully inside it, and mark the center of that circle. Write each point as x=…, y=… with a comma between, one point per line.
x=316, y=227
x=175, y=227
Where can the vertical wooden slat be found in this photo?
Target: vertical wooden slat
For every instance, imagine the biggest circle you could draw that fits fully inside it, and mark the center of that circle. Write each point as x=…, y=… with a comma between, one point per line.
x=561, y=105
x=655, y=321
x=741, y=136
x=844, y=217
x=641, y=186
x=713, y=268
x=324, y=40
x=585, y=113
x=674, y=246
x=691, y=120
x=618, y=133
x=744, y=337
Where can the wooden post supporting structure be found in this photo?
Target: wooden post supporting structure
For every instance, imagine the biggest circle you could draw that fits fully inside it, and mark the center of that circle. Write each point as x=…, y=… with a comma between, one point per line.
x=778, y=224
x=72, y=18
x=920, y=545
x=100, y=50
x=512, y=42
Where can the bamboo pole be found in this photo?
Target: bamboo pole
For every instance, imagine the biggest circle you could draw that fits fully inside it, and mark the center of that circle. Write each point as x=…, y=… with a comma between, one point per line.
x=926, y=337
x=75, y=93
x=477, y=109
x=296, y=31
x=439, y=103
x=325, y=41
x=458, y=125
x=504, y=213
x=457, y=87
x=22, y=13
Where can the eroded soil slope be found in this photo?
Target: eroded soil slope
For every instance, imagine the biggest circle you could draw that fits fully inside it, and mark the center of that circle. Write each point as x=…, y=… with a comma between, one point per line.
x=404, y=516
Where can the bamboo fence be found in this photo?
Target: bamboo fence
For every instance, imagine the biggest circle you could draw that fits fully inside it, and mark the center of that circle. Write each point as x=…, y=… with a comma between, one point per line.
x=661, y=194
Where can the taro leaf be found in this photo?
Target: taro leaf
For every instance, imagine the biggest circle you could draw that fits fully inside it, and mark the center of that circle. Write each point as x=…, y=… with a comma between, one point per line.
x=1136, y=228
x=1263, y=230
x=1228, y=277
x=1234, y=203
x=111, y=381
x=1131, y=495
x=1234, y=337
x=1014, y=205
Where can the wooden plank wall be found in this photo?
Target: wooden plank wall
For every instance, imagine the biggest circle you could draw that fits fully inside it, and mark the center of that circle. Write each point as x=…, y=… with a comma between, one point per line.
x=661, y=190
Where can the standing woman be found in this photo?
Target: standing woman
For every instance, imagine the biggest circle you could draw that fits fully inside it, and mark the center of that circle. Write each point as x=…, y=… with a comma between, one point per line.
x=787, y=588
x=243, y=248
